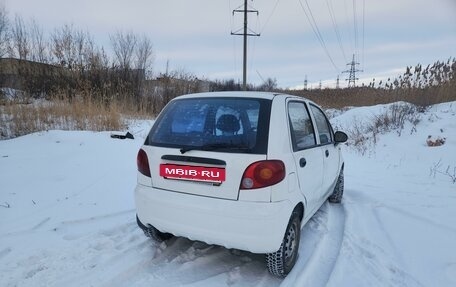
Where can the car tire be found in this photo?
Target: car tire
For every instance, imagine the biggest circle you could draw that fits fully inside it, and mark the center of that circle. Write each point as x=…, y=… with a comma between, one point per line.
x=336, y=196
x=282, y=261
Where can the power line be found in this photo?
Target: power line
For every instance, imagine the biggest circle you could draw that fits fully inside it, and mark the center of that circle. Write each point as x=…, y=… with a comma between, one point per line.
x=336, y=27
x=347, y=22
x=259, y=75
x=319, y=35
x=364, y=13
x=355, y=25
x=234, y=41
x=252, y=51
x=316, y=31
x=269, y=17
x=264, y=27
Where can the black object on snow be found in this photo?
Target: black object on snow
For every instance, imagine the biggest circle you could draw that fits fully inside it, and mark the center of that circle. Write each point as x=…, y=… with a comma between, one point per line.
x=128, y=135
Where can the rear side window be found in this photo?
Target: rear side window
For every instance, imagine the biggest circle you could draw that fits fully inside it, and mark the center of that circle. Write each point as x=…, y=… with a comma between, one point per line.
x=324, y=129
x=301, y=128
x=213, y=124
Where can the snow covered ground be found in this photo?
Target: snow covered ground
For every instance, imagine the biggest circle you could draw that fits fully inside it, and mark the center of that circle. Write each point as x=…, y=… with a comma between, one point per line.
x=67, y=217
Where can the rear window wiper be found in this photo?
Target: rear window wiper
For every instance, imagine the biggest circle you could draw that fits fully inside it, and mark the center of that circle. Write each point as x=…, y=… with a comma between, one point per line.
x=216, y=146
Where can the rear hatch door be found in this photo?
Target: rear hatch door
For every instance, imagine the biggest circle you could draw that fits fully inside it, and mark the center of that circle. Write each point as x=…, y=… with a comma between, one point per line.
x=202, y=145
x=211, y=174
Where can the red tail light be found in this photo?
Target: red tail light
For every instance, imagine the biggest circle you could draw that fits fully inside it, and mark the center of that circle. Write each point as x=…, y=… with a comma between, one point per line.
x=262, y=174
x=143, y=163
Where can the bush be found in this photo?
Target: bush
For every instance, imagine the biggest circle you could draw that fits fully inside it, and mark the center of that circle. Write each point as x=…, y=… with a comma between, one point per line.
x=363, y=137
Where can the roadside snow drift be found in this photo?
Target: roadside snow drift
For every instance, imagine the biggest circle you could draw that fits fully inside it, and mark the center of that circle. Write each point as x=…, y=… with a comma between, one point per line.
x=67, y=216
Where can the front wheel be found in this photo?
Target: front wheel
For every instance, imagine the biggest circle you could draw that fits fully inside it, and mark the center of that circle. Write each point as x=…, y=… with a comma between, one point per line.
x=282, y=261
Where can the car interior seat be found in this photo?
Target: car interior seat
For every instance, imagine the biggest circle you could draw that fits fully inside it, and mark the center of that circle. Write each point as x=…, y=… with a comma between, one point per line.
x=228, y=124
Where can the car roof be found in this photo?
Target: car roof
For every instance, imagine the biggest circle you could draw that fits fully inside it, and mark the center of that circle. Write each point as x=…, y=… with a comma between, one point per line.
x=239, y=94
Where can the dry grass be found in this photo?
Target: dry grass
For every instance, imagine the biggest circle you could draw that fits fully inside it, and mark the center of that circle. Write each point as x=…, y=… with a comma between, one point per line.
x=421, y=86
x=18, y=119
x=365, y=96
x=101, y=105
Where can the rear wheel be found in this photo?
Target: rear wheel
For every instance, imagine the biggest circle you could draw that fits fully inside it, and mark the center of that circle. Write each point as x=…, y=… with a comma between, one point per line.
x=336, y=196
x=282, y=261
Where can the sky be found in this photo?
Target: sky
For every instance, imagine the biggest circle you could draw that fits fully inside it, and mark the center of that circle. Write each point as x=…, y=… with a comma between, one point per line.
x=299, y=39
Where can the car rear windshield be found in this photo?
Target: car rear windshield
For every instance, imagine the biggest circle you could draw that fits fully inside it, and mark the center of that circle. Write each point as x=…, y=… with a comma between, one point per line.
x=238, y=125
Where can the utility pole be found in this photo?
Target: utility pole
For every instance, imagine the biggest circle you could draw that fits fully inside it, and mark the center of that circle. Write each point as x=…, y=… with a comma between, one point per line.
x=337, y=82
x=245, y=34
x=305, y=83
x=352, y=76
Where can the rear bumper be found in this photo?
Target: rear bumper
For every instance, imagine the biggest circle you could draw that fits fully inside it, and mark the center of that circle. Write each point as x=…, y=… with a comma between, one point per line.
x=257, y=227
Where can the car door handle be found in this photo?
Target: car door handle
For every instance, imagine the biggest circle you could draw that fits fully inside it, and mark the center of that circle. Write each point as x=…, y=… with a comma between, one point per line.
x=302, y=162
x=327, y=153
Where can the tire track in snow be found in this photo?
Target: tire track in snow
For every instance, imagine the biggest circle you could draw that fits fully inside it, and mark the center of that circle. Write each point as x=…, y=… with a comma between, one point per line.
x=5, y=251
x=360, y=197
x=387, y=235
x=420, y=218
x=100, y=256
x=382, y=270
x=181, y=261
x=366, y=261
x=98, y=217
x=321, y=241
x=33, y=228
x=44, y=209
x=120, y=255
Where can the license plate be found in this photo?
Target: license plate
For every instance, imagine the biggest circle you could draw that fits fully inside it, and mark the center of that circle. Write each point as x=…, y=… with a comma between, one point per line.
x=195, y=173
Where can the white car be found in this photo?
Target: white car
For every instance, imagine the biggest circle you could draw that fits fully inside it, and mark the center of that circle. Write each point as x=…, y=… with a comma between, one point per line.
x=243, y=170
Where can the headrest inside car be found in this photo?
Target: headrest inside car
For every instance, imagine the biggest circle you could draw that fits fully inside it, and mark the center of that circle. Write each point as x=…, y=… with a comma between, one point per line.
x=228, y=123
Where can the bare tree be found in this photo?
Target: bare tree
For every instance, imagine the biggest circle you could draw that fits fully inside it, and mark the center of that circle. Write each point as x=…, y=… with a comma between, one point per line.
x=268, y=85
x=177, y=82
x=123, y=44
x=99, y=58
x=144, y=54
x=72, y=48
x=61, y=46
x=65, y=46
x=94, y=56
x=3, y=31
x=38, y=50
x=84, y=47
x=20, y=42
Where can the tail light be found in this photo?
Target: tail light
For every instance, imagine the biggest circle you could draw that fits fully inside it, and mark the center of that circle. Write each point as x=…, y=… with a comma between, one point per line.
x=262, y=174
x=143, y=163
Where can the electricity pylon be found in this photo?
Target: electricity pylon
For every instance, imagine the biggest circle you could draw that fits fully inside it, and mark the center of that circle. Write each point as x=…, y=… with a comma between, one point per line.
x=352, y=73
